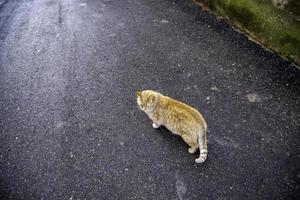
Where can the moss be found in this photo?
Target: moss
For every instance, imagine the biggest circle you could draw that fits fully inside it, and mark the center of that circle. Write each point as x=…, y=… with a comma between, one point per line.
x=293, y=6
x=275, y=28
x=290, y=42
x=243, y=15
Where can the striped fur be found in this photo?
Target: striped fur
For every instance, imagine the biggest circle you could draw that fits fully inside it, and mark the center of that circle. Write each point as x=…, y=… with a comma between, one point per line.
x=178, y=117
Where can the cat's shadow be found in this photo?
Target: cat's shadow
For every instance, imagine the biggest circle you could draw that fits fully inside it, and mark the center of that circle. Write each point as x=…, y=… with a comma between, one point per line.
x=174, y=141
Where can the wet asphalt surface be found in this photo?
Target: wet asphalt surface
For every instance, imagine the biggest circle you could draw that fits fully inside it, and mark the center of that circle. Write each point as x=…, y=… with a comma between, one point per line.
x=70, y=128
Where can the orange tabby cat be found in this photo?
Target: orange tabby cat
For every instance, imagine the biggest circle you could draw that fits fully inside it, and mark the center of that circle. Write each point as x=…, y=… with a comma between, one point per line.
x=178, y=117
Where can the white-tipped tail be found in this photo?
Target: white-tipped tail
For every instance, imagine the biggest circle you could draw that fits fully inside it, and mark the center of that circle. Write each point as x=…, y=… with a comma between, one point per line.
x=202, y=142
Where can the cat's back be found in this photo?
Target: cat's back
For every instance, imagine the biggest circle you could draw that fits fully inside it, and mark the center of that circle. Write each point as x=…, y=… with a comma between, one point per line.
x=182, y=110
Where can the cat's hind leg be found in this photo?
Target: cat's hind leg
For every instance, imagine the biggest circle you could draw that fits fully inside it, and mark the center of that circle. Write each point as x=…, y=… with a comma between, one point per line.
x=191, y=142
x=193, y=149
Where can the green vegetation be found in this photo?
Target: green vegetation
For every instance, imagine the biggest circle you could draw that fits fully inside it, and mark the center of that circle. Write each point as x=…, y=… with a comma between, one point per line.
x=273, y=23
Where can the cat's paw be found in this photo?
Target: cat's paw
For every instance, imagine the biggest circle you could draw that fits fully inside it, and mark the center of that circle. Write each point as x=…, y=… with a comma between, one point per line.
x=193, y=149
x=155, y=125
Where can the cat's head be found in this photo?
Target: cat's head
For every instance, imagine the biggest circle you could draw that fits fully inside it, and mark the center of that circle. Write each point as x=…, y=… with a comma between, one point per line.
x=147, y=100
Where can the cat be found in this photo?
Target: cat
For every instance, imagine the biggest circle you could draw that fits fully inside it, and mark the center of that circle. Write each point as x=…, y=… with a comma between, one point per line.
x=179, y=118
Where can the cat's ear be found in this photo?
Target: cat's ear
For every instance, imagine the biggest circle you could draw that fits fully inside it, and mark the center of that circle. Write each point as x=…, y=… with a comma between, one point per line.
x=152, y=98
x=138, y=93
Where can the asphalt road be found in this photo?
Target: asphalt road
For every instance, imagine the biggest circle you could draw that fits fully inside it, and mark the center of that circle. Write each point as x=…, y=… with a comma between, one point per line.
x=70, y=128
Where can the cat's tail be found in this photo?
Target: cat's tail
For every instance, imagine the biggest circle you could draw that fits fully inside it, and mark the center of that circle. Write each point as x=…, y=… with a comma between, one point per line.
x=202, y=142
